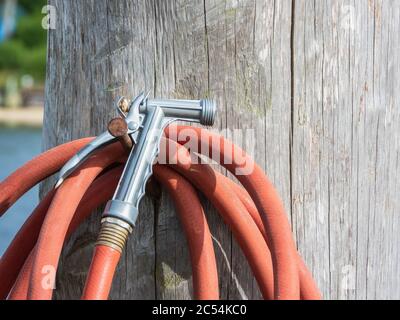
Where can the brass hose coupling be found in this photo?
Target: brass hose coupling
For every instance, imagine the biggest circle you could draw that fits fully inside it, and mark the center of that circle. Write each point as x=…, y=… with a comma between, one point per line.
x=113, y=233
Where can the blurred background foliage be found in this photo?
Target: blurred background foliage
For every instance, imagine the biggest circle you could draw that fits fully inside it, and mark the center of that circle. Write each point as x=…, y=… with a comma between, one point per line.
x=24, y=52
x=22, y=72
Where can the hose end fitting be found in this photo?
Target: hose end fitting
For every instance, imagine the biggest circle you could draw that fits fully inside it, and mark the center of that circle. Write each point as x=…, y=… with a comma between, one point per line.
x=113, y=233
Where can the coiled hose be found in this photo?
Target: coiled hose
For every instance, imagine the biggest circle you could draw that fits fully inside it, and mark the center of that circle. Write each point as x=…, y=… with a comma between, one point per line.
x=252, y=210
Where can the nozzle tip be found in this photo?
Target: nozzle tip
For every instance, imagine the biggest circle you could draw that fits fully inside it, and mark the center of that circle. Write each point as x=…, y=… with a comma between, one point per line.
x=209, y=112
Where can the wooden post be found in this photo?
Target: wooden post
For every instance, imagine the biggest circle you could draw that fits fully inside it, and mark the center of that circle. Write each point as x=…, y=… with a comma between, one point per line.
x=316, y=81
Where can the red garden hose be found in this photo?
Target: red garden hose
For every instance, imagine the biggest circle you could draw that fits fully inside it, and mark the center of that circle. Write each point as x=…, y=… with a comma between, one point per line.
x=254, y=213
x=101, y=273
x=36, y=170
x=99, y=192
x=268, y=203
x=195, y=226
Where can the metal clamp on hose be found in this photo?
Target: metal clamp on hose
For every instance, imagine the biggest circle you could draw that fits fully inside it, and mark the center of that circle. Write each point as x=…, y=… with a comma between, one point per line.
x=113, y=233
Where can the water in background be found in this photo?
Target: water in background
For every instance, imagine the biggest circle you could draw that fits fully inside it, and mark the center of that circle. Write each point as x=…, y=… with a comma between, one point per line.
x=17, y=146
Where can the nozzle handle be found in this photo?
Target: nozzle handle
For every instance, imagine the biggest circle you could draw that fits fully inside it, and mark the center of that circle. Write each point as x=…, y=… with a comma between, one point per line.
x=138, y=169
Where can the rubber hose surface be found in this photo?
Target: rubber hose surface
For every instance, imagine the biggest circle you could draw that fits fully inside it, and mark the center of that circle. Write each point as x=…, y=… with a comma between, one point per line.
x=36, y=170
x=264, y=196
x=13, y=259
x=101, y=273
x=55, y=226
x=195, y=226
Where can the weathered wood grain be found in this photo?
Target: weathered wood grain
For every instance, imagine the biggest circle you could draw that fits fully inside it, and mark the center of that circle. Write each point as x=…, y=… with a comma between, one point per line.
x=316, y=84
x=345, y=145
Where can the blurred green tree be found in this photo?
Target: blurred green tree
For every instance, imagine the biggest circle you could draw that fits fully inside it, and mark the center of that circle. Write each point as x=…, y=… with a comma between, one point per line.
x=32, y=6
x=25, y=51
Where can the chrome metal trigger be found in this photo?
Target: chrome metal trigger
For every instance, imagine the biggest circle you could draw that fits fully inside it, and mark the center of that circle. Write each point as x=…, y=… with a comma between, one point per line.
x=102, y=140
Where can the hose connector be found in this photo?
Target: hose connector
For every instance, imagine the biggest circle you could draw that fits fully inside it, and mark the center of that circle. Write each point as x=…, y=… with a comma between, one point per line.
x=113, y=233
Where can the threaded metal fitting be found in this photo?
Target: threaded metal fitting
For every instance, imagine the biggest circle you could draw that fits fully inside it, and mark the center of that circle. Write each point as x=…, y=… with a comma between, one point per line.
x=209, y=112
x=113, y=233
